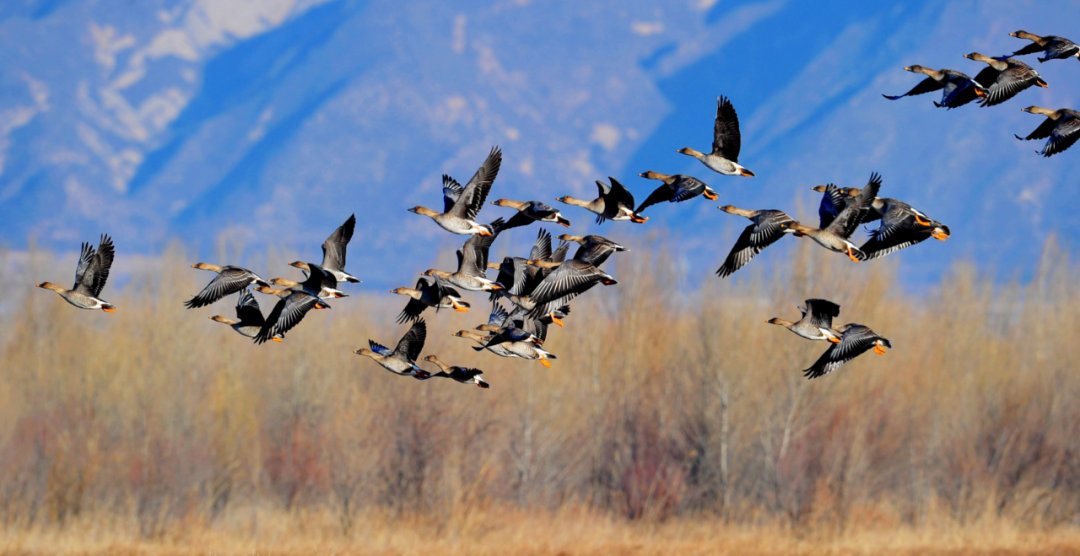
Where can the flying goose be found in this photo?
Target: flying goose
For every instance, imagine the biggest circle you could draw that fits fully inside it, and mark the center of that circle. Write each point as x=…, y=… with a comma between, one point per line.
x=726, y=143
x=230, y=279
x=472, y=261
x=250, y=317
x=855, y=340
x=462, y=204
x=319, y=282
x=1004, y=78
x=767, y=227
x=676, y=189
x=464, y=375
x=1054, y=47
x=834, y=237
x=1061, y=129
x=429, y=292
x=402, y=359
x=816, y=321
x=529, y=212
x=90, y=277
x=333, y=249
x=287, y=313
x=957, y=89
x=614, y=202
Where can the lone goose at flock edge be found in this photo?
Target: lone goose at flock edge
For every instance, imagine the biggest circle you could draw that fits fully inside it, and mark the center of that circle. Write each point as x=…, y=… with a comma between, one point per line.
x=90, y=276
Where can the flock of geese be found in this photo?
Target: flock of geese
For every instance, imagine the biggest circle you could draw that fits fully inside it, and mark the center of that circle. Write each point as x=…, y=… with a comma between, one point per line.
x=1002, y=79
x=530, y=293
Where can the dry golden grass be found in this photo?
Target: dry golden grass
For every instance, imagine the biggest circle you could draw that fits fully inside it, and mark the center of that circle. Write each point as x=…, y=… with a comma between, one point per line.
x=571, y=531
x=674, y=421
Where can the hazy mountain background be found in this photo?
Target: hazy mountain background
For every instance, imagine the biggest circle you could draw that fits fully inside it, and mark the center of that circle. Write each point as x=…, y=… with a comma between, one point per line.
x=265, y=124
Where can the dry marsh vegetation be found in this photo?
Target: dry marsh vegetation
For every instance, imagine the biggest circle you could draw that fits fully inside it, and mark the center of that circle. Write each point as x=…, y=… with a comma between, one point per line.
x=672, y=422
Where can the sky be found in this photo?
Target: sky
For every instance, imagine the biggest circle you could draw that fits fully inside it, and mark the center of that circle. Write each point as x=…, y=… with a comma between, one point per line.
x=263, y=125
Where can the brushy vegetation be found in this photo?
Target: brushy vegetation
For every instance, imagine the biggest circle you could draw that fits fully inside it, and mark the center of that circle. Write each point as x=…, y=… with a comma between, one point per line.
x=671, y=417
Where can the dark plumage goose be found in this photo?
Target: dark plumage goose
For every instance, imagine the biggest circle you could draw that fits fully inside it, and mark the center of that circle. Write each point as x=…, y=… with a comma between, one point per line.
x=901, y=226
x=287, y=313
x=767, y=228
x=614, y=202
x=957, y=89
x=429, y=292
x=90, y=277
x=462, y=204
x=230, y=279
x=1053, y=47
x=1061, y=129
x=472, y=261
x=855, y=340
x=464, y=375
x=529, y=212
x=676, y=189
x=250, y=317
x=334, y=249
x=726, y=143
x=834, y=237
x=402, y=359
x=1004, y=78
x=816, y=321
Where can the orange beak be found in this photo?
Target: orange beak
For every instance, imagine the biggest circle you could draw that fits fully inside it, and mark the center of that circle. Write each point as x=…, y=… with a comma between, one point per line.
x=711, y=196
x=276, y=339
x=745, y=172
x=1041, y=83
x=484, y=233
x=980, y=93
x=939, y=235
x=109, y=309
x=545, y=363
x=639, y=219
x=879, y=350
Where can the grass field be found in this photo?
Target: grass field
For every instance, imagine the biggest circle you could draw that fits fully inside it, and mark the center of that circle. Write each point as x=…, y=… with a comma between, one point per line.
x=675, y=420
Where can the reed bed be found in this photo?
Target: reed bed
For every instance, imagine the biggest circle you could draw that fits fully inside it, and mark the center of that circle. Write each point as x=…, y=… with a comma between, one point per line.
x=675, y=420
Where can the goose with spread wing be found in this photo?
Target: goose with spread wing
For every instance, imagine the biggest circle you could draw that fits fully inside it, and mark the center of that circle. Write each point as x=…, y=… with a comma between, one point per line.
x=835, y=236
x=593, y=249
x=726, y=143
x=901, y=226
x=855, y=340
x=1004, y=78
x=334, y=252
x=767, y=227
x=816, y=321
x=402, y=359
x=529, y=212
x=461, y=205
x=249, y=318
x=614, y=202
x=90, y=277
x=957, y=89
x=429, y=292
x=1053, y=47
x=319, y=282
x=464, y=375
x=472, y=261
x=1061, y=129
x=230, y=279
x=675, y=189
x=288, y=312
